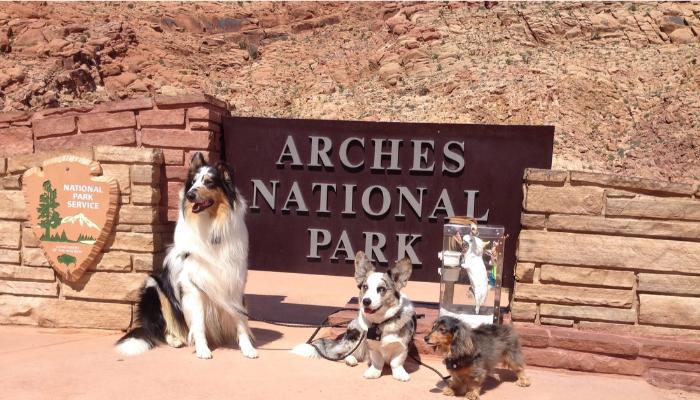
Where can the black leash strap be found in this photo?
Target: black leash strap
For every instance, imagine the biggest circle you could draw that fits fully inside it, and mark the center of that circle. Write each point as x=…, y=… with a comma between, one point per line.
x=325, y=324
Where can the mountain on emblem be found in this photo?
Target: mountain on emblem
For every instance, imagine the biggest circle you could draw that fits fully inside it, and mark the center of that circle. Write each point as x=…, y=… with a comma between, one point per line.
x=80, y=219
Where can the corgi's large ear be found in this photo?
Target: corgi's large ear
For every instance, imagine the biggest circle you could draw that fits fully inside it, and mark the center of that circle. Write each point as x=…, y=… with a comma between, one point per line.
x=462, y=344
x=197, y=162
x=363, y=267
x=401, y=271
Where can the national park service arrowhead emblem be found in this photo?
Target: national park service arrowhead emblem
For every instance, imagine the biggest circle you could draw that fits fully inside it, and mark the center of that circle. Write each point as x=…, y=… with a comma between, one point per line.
x=72, y=212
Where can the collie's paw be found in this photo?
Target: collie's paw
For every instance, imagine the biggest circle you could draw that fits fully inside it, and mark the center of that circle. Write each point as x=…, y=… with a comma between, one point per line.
x=372, y=373
x=523, y=381
x=400, y=374
x=351, y=361
x=203, y=353
x=472, y=396
x=447, y=391
x=173, y=341
x=249, y=352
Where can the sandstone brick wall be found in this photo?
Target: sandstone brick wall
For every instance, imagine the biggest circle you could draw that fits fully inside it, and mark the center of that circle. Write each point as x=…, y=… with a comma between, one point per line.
x=604, y=264
x=32, y=294
x=179, y=125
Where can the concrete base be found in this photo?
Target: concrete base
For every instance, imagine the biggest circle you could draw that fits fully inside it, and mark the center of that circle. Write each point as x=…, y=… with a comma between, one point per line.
x=78, y=364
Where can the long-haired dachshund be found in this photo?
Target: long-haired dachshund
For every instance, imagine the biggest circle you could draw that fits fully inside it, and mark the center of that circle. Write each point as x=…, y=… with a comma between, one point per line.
x=472, y=354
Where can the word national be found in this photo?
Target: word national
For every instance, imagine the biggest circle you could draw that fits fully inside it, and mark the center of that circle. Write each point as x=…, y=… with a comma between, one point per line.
x=82, y=196
x=380, y=201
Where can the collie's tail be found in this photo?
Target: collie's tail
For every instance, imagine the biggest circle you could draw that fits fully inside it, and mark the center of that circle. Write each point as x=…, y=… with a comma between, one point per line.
x=157, y=314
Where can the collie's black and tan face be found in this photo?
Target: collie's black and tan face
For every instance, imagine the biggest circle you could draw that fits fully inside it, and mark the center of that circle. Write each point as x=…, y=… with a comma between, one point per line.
x=380, y=290
x=207, y=186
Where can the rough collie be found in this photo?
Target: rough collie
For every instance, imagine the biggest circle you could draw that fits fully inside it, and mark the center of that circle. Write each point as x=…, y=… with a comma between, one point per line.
x=197, y=298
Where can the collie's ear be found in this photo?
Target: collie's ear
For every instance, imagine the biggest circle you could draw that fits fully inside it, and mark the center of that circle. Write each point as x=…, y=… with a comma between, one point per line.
x=197, y=162
x=363, y=267
x=462, y=343
x=401, y=271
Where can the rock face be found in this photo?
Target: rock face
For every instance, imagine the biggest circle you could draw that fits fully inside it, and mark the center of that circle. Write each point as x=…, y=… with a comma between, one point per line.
x=619, y=81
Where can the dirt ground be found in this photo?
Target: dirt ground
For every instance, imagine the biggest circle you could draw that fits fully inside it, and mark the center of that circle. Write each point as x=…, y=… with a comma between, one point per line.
x=80, y=364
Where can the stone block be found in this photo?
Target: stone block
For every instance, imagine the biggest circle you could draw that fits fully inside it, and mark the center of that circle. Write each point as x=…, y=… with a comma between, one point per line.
x=586, y=276
x=609, y=251
x=128, y=155
x=669, y=310
x=624, y=182
x=143, y=194
x=138, y=214
x=573, y=295
x=29, y=288
x=654, y=207
x=669, y=284
x=54, y=126
x=533, y=221
x=174, y=138
x=26, y=273
x=145, y=174
x=174, y=156
x=114, y=261
x=9, y=256
x=522, y=311
x=105, y=286
x=175, y=117
x=124, y=105
x=120, y=137
x=120, y=172
x=557, y=321
x=10, y=233
x=589, y=313
x=524, y=272
x=593, y=342
x=16, y=140
x=625, y=226
x=580, y=361
x=547, y=176
x=567, y=199
x=34, y=257
x=105, y=120
x=22, y=162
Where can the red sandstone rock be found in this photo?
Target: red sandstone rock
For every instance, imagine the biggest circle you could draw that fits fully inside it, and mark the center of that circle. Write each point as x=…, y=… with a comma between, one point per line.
x=533, y=336
x=103, y=121
x=176, y=172
x=593, y=342
x=162, y=117
x=177, y=138
x=580, y=361
x=16, y=140
x=674, y=379
x=670, y=349
x=53, y=126
x=120, y=137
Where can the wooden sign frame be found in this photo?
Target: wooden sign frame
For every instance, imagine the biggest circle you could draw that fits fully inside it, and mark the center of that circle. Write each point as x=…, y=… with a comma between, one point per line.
x=34, y=180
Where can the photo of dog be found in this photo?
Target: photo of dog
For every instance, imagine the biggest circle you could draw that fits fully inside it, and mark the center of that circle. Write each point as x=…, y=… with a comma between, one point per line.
x=386, y=317
x=472, y=354
x=197, y=298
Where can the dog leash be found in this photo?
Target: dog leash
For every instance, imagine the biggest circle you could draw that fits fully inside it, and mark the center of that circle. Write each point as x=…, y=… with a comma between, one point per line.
x=325, y=324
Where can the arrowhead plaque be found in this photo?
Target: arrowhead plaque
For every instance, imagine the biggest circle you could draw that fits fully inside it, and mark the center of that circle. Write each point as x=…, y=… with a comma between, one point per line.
x=71, y=211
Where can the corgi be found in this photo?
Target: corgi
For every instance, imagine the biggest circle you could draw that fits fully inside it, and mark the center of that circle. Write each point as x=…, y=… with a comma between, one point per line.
x=386, y=319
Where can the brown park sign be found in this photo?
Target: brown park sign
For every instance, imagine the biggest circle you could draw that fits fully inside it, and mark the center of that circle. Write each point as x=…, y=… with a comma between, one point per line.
x=72, y=212
x=318, y=191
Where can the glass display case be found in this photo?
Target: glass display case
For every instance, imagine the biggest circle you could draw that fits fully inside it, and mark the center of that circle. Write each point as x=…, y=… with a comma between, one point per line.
x=472, y=265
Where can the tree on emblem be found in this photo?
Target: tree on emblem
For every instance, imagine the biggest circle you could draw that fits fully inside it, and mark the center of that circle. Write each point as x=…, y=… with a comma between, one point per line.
x=48, y=216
